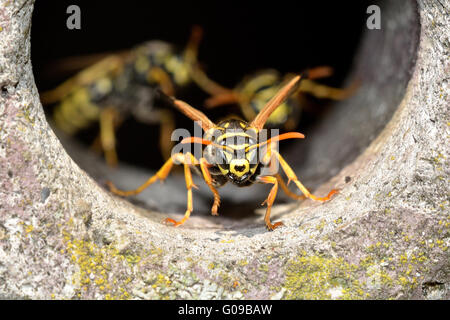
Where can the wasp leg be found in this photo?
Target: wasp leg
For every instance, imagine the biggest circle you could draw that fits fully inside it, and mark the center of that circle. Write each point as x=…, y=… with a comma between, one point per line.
x=292, y=177
x=325, y=92
x=108, y=117
x=286, y=190
x=189, y=185
x=269, y=201
x=162, y=174
x=208, y=180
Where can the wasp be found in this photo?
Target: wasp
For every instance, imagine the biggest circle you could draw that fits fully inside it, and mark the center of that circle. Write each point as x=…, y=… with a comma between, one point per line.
x=255, y=90
x=233, y=151
x=122, y=85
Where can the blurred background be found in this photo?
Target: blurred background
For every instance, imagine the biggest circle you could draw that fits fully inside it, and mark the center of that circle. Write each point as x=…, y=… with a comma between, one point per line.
x=239, y=39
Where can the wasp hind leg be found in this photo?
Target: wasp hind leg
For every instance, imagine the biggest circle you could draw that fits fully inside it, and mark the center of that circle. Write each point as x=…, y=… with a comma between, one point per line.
x=292, y=177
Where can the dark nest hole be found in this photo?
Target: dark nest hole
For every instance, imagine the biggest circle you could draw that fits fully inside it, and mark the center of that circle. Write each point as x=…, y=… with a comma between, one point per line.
x=241, y=38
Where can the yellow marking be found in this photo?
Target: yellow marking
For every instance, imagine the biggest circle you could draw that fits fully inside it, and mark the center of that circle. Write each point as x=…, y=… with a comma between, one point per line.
x=178, y=68
x=254, y=84
x=76, y=112
x=142, y=64
x=232, y=134
x=89, y=110
x=227, y=125
x=62, y=124
x=238, y=146
x=104, y=85
x=70, y=113
x=239, y=163
x=224, y=171
x=280, y=114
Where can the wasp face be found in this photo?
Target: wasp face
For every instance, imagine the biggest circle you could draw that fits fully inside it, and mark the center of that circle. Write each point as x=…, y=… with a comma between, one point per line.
x=231, y=153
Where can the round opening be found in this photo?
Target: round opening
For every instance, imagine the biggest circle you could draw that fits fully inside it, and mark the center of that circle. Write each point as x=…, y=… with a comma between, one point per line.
x=240, y=39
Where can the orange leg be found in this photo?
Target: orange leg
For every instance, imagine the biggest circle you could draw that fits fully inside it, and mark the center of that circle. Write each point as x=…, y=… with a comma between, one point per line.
x=208, y=180
x=269, y=201
x=162, y=174
x=286, y=190
x=292, y=177
x=189, y=185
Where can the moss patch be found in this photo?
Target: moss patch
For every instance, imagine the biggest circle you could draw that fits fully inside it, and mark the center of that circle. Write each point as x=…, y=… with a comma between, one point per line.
x=315, y=277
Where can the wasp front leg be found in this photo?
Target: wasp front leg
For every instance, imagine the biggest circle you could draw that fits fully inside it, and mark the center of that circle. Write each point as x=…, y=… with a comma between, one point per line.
x=286, y=190
x=187, y=160
x=207, y=177
x=269, y=201
x=292, y=177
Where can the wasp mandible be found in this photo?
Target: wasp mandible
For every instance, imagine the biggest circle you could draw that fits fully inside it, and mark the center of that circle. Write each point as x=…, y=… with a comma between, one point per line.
x=232, y=151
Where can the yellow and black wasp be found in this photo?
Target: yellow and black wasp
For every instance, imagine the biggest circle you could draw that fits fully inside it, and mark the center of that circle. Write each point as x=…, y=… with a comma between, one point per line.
x=234, y=151
x=122, y=85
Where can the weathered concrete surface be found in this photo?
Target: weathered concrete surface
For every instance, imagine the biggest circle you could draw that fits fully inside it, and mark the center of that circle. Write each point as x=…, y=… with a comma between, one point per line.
x=386, y=235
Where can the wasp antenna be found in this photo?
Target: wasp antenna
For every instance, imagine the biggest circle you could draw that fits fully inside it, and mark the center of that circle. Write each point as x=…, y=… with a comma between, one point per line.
x=270, y=107
x=196, y=140
x=194, y=114
x=187, y=109
x=284, y=136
